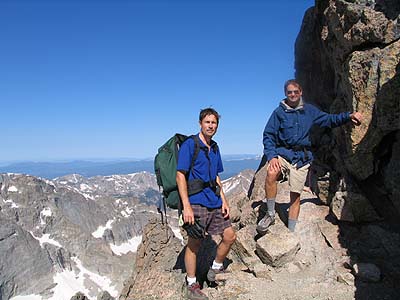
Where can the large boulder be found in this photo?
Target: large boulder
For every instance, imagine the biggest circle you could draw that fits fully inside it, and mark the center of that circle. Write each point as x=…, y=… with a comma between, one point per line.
x=348, y=58
x=278, y=247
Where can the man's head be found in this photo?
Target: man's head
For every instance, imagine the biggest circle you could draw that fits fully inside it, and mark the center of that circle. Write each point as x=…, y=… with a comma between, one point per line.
x=208, y=120
x=293, y=92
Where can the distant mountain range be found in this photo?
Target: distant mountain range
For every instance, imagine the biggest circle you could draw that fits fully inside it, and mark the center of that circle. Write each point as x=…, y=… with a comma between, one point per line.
x=233, y=164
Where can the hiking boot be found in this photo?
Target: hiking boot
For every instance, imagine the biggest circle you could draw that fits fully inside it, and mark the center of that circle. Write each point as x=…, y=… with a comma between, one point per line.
x=193, y=292
x=264, y=223
x=212, y=273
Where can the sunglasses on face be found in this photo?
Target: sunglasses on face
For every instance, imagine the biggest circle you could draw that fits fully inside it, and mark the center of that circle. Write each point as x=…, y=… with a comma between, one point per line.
x=296, y=92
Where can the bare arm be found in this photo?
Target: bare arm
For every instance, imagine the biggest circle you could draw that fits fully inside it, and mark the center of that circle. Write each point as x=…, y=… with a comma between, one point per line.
x=188, y=216
x=225, y=205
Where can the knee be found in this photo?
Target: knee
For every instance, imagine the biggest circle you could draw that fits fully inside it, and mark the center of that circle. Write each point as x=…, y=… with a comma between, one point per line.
x=229, y=238
x=272, y=176
x=294, y=198
x=193, y=244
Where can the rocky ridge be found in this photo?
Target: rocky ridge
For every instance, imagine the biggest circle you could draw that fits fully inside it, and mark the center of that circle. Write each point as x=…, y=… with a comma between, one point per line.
x=63, y=237
x=142, y=186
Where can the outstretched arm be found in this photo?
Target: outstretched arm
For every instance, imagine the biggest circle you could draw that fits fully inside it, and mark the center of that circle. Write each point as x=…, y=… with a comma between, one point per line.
x=334, y=120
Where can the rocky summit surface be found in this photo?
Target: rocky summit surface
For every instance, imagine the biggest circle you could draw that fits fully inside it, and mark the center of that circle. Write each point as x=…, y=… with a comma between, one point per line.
x=315, y=262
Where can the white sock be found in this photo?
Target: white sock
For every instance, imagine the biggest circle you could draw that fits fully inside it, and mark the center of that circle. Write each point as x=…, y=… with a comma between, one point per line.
x=190, y=280
x=216, y=265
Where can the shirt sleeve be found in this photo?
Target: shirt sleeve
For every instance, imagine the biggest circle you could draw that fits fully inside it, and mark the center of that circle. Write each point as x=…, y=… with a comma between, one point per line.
x=270, y=137
x=324, y=119
x=185, y=155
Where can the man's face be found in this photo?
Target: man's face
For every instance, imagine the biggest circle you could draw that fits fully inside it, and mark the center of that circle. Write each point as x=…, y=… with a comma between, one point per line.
x=208, y=126
x=293, y=94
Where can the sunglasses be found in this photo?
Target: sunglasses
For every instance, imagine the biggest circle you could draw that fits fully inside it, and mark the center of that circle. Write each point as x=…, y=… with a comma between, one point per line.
x=296, y=92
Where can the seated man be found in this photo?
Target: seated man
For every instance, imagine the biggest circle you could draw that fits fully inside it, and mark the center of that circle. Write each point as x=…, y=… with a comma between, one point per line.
x=287, y=148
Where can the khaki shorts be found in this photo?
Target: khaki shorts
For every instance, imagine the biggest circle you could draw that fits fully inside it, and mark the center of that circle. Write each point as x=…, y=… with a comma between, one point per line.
x=296, y=177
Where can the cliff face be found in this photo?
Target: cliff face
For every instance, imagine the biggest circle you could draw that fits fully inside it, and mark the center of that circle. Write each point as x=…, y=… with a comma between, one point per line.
x=347, y=59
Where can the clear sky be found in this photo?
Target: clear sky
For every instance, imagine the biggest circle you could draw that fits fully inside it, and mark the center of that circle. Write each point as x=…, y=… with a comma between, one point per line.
x=115, y=79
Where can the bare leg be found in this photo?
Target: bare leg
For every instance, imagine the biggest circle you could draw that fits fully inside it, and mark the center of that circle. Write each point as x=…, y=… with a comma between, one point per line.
x=228, y=238
x=271, y=187
x=294, y=209
x=192, y=248
x=271, y=184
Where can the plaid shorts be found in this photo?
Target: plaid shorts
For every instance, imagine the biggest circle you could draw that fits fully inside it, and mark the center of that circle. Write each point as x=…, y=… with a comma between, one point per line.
x=211, y=218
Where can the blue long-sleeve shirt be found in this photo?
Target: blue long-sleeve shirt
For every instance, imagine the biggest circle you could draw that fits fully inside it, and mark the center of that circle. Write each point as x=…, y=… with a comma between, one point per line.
x=287, y=132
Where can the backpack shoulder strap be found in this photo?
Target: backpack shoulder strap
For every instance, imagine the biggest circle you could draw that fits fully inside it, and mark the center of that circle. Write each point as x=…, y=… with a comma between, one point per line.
x=196, y=150
x=215, y=147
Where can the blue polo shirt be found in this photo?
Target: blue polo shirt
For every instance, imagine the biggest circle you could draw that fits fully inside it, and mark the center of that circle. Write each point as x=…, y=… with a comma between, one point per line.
x=202, y=169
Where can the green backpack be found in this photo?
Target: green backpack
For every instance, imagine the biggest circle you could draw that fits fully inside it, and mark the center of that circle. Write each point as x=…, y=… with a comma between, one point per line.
x=165, y=168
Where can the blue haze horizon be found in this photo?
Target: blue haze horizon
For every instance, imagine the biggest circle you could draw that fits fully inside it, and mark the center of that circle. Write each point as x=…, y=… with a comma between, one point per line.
x=107, y=80
x=51, y=170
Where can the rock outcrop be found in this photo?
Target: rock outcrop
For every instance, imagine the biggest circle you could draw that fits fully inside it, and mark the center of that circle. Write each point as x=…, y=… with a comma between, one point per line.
x=348, y=58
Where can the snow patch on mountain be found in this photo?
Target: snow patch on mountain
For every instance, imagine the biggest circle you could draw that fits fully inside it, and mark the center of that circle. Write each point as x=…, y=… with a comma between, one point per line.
x=45, y=238
x=130, y=246
x=13, y=204
x=100, y=230
x=127, y=212
x=13, y=189
x=46, y=212
x=239, y=180
x=84, y=187
x=68, y=283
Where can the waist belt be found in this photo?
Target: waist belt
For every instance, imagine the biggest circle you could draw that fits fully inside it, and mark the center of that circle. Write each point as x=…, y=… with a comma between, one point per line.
x=195, y=186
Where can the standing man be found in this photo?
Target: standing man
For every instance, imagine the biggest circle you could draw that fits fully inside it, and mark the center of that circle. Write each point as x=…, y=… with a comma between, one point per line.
x=287, y=148
x=207, y=210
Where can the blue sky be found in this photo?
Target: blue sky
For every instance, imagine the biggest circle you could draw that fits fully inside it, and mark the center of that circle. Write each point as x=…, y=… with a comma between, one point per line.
x=115, y=79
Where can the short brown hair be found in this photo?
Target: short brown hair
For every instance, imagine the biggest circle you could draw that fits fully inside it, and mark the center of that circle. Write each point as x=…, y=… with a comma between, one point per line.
x=293, y=82
x=208, y=111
